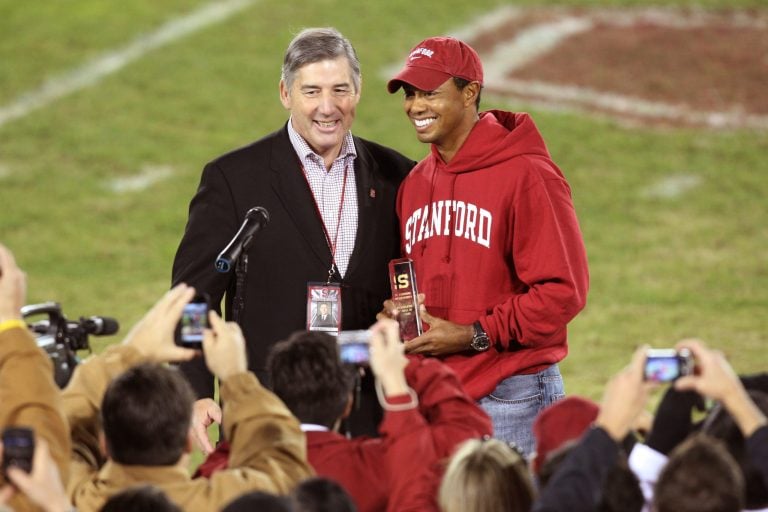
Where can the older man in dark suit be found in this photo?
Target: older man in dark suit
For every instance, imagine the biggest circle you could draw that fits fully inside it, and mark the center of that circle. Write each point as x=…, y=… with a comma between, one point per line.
x=330, y=197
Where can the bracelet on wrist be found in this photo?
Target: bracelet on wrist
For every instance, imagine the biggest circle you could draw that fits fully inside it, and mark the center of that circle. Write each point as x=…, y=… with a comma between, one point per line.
x=12, y=324
x=411, y=404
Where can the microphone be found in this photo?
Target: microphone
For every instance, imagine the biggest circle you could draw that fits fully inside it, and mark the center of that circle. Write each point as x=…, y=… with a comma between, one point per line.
x=255, y=219
x=100, y=325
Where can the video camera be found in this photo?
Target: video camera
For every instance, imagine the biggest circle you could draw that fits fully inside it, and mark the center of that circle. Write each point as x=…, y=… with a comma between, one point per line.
x=61, y=338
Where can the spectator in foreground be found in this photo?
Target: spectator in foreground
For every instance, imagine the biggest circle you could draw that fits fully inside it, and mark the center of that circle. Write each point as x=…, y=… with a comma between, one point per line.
x=259, y=501
x=321, y=494
x=29, y=397
x=145, y=409
x=576, y=485
x=558, y=429
x=721, y=425
x=487, y=476
x=700, y=476
x=427, y=414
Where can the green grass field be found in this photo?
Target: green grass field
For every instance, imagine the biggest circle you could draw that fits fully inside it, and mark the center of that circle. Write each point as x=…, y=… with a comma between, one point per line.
x=661, y=269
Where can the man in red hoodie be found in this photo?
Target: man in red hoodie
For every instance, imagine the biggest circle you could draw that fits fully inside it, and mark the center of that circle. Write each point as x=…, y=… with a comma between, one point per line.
x=488, y=220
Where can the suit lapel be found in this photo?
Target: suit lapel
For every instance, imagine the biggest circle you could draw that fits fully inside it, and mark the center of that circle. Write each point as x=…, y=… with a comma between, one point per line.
x=366, y=170
x=293, y=191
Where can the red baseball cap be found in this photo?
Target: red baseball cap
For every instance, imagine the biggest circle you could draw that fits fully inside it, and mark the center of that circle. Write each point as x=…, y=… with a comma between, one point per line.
x=565, y=420
x=435, y=60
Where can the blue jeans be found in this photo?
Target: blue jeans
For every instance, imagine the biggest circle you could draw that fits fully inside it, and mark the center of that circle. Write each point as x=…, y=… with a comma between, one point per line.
x=516, y=401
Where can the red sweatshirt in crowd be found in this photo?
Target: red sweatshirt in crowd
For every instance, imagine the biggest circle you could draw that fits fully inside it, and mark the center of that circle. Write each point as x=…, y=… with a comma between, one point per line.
x=494, y=237
x=376, y=471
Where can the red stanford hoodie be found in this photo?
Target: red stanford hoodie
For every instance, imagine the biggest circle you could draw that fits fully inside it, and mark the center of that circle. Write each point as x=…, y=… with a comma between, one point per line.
x=494, y=237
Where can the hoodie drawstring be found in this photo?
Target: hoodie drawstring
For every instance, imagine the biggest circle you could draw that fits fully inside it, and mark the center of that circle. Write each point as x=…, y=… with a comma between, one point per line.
x=447, y=256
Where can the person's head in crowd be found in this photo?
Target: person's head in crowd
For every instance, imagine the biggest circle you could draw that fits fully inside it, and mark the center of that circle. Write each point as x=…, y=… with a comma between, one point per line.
x=486, y=476
x=721, y=425
x=621, y=491
x=320, y=86
x=144, y=498
x=146, y=414
x=700, y=476
x=547, y=469
x=557, y=430
x=308, y=375
x=259, y=501
x=320, y=494
x=562, y=422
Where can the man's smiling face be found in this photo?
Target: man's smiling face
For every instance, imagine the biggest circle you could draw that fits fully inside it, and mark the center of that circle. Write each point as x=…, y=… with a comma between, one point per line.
x=322, y=101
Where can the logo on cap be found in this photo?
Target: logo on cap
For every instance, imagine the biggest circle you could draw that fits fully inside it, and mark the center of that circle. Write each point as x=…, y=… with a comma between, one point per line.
x=418, y=52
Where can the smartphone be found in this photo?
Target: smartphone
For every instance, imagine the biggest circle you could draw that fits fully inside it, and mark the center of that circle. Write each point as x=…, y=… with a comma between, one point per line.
x=353, y=347
x=18, y=448
x=194, y=320
x=667, y=364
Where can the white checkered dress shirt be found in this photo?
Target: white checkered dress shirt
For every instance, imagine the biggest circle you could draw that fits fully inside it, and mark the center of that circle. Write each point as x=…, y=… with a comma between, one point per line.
x=326, y=187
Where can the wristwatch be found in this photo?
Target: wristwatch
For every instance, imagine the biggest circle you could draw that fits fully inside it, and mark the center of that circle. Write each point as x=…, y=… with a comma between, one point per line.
x=480, y=340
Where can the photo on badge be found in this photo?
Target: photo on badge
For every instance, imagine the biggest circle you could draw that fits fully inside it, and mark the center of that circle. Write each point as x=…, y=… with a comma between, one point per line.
x=323, y=307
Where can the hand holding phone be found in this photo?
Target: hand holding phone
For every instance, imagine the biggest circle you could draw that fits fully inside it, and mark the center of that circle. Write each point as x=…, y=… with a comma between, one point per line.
x=194, y=320
x=18, y=448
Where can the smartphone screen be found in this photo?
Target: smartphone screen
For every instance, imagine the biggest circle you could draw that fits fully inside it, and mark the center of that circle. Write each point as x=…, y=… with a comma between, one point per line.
x=194, y=320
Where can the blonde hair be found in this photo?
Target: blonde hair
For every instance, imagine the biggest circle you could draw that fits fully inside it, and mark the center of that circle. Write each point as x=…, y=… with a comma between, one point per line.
x=486, y=476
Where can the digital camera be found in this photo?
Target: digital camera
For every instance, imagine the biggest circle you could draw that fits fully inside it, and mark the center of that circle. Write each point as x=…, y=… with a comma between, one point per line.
x=353, y=346
x=667, y=364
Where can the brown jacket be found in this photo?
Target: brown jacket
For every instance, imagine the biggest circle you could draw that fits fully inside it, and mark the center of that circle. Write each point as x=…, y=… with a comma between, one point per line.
x=30, y=397
x=269, y=449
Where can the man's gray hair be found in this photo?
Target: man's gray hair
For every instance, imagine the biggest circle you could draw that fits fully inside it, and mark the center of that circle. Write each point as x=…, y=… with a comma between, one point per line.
x=315, y=45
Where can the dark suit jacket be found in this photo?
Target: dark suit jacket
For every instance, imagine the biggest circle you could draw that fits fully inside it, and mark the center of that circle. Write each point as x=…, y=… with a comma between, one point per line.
x=291, y=250
x=328, y=321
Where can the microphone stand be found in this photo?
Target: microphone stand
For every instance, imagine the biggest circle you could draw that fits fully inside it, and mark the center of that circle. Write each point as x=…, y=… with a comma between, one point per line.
x=241, y=272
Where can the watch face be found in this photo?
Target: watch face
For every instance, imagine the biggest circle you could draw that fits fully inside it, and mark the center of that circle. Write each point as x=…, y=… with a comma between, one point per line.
x=481, y=343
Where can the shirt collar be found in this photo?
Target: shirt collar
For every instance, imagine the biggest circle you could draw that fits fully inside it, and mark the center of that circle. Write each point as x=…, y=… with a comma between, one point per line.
x=312, y=427
x=304, y=151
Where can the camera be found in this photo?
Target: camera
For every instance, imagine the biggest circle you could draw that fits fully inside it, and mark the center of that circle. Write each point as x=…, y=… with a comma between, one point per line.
x=62, y=338
x=667, y=364
x=18, y=448
x=353, y=347
x=194, y=320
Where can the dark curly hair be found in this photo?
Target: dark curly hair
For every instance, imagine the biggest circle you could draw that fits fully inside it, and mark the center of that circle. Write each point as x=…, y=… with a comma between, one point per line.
x=308, y=375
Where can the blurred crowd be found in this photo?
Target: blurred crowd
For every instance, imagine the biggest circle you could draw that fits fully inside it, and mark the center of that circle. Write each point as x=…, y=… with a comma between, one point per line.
x=118, y=436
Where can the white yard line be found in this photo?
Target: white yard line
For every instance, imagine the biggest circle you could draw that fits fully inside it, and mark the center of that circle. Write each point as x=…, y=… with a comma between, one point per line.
x=148, y=176
x=672, y=186
x=529, y=45
x=585, y=97
x=111, y=62
x=487, y=22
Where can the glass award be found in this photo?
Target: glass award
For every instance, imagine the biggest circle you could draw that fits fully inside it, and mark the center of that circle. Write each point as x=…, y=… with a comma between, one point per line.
x=402, y=279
